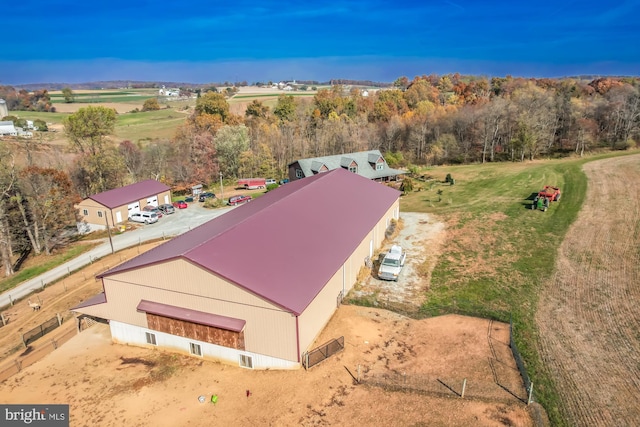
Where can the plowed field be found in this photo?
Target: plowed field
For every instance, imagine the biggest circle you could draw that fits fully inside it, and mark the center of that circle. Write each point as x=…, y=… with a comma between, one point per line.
x=588, y=315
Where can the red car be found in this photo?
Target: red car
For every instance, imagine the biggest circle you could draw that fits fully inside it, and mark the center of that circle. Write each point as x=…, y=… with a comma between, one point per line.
x=180, y=204
x=238, y=200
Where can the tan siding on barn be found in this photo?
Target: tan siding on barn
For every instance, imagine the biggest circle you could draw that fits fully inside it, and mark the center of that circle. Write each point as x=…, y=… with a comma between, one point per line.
x=321, y=309
x=269, y=329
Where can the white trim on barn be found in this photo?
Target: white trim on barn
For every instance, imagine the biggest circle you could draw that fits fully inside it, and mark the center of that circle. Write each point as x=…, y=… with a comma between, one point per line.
x=135, y=335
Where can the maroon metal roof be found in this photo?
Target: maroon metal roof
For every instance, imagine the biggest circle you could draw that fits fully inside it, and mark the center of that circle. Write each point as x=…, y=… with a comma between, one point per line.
x=285, y=245
x=192, y=316
x=130, y=193
x=101, y=298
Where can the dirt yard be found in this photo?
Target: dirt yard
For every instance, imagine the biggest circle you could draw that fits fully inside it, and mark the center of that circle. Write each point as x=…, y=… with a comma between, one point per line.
x=411, y=371
x=588, y=316
x=115, y=385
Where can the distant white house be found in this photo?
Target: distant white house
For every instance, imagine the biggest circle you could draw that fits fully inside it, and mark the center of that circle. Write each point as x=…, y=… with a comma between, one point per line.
x=168, y=92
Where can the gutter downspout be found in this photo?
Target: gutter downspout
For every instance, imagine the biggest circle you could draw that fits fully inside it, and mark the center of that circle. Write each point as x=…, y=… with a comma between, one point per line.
x=298, y=338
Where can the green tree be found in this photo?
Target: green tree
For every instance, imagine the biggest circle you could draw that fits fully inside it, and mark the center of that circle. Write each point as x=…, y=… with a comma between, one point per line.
x=285, y=108
x=214, y=104
x=40, y=125
x=68, y=94
x=230, y=142
x=88, y=128
x=151, y=104
x=257, y=109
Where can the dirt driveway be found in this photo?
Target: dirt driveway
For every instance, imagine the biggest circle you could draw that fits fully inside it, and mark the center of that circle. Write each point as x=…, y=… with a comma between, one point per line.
x=421, y=236
x=588, y=315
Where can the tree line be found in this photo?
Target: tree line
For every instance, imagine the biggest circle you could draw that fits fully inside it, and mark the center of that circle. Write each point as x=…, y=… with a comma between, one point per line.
x=429, y=120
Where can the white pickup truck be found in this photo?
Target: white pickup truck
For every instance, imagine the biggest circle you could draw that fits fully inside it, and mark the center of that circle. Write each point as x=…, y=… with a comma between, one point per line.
x=392, y=264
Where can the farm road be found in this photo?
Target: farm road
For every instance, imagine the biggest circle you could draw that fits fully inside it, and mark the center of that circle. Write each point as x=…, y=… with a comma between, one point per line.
x=588, y=315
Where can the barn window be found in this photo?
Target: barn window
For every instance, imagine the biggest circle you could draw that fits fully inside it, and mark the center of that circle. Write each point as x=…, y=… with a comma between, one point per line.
x=299, y=173
x=85, y=212
x=353, y=169
x=151, y=338
x=195, y=349
x=380, y=166
x=246, y=361
x=99, y=214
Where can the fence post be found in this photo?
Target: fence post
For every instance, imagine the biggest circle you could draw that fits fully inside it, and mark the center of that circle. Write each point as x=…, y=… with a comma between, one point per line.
x=464, y=387
x=42, y=283
x=4, y=321
x=18, y=365
x=59, y=319
x=530, y=394
x=10, y=300
x=68, y=272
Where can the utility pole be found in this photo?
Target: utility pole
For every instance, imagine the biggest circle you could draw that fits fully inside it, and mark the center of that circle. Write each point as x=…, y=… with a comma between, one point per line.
x=108, y=231
x=221, y=188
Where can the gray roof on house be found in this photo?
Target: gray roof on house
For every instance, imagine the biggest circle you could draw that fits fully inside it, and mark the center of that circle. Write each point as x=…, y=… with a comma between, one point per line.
x=366, y=161
x=286, y=245
x=130, y=193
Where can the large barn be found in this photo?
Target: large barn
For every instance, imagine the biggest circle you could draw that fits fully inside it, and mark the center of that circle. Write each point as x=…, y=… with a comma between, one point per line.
x=257, y=285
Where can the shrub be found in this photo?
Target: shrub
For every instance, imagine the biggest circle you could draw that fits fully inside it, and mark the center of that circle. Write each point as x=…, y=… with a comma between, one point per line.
x=407, y=185
x=272, y=187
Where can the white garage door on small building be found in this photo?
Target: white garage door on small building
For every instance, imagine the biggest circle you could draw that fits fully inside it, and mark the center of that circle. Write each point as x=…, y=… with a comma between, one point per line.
x=133, y=208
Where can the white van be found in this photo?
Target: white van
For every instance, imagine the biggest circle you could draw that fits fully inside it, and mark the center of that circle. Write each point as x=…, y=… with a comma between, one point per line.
x=146, y=217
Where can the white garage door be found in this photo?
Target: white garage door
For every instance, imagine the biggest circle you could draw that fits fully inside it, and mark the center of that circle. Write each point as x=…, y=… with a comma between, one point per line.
x=133, y=208
x=153, y=201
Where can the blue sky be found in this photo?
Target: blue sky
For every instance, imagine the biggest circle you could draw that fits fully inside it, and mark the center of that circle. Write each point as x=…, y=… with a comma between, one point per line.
x=202, y=41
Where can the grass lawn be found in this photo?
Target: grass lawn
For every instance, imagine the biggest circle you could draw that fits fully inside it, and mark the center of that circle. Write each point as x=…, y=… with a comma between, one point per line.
x=35, y=267
x=499, y=252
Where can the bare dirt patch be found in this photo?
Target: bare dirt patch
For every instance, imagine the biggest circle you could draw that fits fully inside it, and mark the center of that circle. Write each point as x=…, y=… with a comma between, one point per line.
x=588, y=313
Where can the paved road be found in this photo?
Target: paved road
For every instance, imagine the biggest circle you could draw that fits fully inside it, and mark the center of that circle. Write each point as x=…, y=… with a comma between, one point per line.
x=168, y=226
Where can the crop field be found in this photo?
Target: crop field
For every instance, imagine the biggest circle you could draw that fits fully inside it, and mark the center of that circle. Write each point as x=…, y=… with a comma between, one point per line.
x=107, y=96
x=588, y=314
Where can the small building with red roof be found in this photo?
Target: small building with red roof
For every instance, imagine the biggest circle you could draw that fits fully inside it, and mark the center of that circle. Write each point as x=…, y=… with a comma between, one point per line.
x=115, y=206
x=257, y=285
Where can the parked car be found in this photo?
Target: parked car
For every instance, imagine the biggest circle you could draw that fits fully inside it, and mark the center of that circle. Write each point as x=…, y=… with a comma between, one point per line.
x=392, y=264
x=204, y=196
x=238, y=200
x=188, y=199
x=180, y=204
x=271, y=182
x=154, y=209
x=284, y=181
x=146, y=217
x=167, y=209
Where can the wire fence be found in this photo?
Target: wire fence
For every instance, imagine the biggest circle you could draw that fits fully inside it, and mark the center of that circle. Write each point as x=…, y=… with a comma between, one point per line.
x=34, y=353
x=472, y=309
x=322, y=352
x=41, y=330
